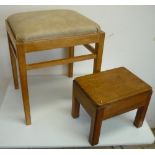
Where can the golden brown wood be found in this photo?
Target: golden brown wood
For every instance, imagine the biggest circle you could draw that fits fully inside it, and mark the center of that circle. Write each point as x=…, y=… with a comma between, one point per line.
x=11, y=35
x=13, y=51
x=20, y=48
x=82, y=97
x=141, y=112
x=90, y=48
x=70, y=66
x=23, y=81
x=13, y=65
x=75, y=107
x=60, y=42
x=110, y=93
x=99, y=51
x=60, y=61
x=131, y=103
x=96, y=123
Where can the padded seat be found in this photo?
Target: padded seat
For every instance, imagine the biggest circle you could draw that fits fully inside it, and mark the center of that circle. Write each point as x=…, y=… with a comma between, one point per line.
x=38, y=25
x=38, y=31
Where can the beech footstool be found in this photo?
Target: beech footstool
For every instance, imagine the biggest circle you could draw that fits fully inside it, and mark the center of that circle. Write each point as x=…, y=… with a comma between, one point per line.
x=107, y=94
x=50, y=29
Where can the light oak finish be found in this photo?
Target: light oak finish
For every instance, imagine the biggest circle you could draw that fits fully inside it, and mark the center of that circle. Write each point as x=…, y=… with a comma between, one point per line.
x=61, y=42
x=99, y=51
x=90, y=48
x=19, y=49
x=23, y=81
x=60, y=61
x=70, y=65
x=13, y=64
x=107, y=94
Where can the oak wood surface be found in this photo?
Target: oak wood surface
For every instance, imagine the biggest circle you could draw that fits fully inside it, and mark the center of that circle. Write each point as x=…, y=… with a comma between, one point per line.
x=99, y=52
x=110, y=93
x=10, y=34
x=70, y=65
x=24, y=84
x=95, y=127
x=13, y=65
x=20, y=49
x=119, y=82
x=60, y=61
x=90, y=48
x=141, y=112
x=60, y=42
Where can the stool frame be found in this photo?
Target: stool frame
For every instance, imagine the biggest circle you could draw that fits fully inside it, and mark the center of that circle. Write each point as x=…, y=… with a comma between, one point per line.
x=100, y=113
x=19, y=49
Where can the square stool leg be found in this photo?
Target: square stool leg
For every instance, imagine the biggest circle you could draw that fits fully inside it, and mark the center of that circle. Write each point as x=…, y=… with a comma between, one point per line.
x=75, y=107
x=13, y=65
x=96, y=123
x=141, y=112
x=70, y=66
x=99, y=52
x=23, y=80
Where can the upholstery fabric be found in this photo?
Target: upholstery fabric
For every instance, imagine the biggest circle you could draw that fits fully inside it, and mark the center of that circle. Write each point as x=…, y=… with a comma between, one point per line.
x=50, y=24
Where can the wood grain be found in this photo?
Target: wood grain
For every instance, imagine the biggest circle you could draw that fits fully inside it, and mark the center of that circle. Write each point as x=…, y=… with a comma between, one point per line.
x=90, y=48
x=20, y=48
x=60, y=61
x=23, y=81
x=13, y=65
x=110, y=93
x=70, y=65
x=99, y=51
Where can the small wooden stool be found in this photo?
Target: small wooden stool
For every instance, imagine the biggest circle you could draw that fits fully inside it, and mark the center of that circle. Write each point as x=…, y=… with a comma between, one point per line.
x=44, y=30
x=107, y=94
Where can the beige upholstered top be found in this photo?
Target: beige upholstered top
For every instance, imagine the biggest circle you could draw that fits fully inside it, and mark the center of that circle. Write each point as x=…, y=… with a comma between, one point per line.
x=38, y=25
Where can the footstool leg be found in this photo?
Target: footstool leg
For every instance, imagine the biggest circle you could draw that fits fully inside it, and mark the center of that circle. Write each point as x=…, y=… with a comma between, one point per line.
x=99, y=52
x=141, y=112
x=13, y=65
x=96, y=123
x=23, y=80
x=75, y=107
x=70, y=66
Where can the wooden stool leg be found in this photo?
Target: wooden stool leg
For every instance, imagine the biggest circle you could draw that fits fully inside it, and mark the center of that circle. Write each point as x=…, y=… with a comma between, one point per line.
x=99, y=52
x=13, y=65
x=70, y=66
x=75, y=107
x=141, y=112
x=23, y=80
x=95, y=128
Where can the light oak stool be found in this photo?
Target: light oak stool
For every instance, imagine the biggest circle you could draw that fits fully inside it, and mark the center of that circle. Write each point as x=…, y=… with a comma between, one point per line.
x=107, y=94
x=44, y=30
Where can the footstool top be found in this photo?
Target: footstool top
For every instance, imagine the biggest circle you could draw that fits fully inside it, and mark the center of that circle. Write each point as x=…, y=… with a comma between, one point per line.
x=111, y=85
x=37, y=25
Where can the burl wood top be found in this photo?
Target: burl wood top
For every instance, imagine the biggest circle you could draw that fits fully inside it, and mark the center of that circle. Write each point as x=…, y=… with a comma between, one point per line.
x=112, y=85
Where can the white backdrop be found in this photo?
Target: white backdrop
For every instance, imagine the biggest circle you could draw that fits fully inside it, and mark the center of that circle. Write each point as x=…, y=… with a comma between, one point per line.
x=130, y=42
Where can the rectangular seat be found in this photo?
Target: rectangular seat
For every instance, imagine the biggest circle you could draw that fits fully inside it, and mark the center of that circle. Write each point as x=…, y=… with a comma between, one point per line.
x=110, y=93
x=50, y=24
x=49, y=29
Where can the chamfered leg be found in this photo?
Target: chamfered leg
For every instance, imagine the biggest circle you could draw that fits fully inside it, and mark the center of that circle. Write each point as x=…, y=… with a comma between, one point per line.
x=141, y=112
x=70, y=65
x=23, y=81
x=99, y=52
x=75, y=107
x=13, y=64
x=96, y=123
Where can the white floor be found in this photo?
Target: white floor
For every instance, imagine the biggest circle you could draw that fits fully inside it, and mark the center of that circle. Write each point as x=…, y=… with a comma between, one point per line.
x=52, y=124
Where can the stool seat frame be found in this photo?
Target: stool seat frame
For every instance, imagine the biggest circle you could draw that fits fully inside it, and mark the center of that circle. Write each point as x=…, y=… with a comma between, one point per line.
x=19, y=49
